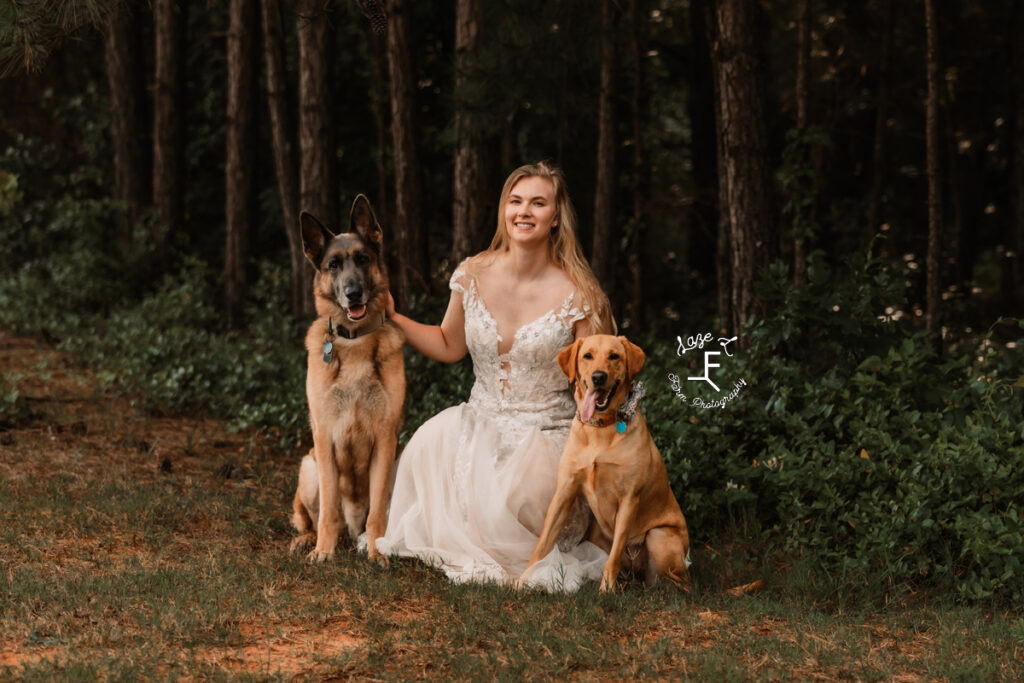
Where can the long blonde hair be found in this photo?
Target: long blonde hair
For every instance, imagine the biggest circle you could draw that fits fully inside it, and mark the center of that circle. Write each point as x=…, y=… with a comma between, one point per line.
x=564, y=245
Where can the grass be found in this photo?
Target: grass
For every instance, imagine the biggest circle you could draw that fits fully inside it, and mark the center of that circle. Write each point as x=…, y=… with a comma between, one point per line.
x=134, y=547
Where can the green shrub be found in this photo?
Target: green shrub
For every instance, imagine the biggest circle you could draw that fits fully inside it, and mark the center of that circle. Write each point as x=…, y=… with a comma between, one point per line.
x=856, y=449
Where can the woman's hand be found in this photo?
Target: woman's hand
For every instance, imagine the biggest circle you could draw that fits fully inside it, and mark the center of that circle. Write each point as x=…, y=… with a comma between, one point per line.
x=389, y=308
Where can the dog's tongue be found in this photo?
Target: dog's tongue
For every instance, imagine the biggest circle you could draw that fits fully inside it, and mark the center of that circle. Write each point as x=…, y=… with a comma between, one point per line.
x=356, y=312
x=587, y=407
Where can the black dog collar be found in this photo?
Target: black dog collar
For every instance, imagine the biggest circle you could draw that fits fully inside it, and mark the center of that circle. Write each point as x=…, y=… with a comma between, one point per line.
x=347, y=334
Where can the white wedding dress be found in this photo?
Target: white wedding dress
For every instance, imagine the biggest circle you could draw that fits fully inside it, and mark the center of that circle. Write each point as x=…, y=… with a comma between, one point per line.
x=473, y=485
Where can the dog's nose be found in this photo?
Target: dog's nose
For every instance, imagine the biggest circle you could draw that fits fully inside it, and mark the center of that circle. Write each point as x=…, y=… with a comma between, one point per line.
x=353, y=291
x=599, y=378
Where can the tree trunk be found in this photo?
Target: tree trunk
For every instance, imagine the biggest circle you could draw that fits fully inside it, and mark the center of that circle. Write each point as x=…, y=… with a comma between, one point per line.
x=639, y=113
x=933, y=263
x=469, y=188
x=1017, y=180
x=240, y=157
x=881, y=123
x=380, y=116
x=168, y=127
x=282, y=132
x=604, y=189
x=701, y=106
x=744, y=180
x=125, y=80
x=803, y=96
x=408, y=225
x=318, y=188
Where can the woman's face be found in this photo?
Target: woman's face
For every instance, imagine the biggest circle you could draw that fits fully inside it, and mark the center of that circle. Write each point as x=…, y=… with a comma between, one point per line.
x=530, y=211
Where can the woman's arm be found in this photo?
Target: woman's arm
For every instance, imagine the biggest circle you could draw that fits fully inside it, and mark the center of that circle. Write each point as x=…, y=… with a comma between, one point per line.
x=445, y=342
x=582, y=329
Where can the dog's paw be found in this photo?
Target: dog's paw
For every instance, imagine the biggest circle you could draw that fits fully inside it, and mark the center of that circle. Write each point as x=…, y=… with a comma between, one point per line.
x=317, y=556
x=306, y=540
x=382, y=560
x=607, y=585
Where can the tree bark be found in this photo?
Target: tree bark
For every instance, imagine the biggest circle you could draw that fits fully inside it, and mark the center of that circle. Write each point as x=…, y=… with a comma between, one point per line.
x=803, y=96
x=125, y=80
x=702, y=108
x=240, y=157
x=410, y=263
x=282, y=132
x=881, y=123
x=604, y=190
x=318, y=187
x=168, y=126
x=639, y=108
x=380, y=116
x=469, y=187
x=933, y=264
x=744, y=180
x=1017, y=179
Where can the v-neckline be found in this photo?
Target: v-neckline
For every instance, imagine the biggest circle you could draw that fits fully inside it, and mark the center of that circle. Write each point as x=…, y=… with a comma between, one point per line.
x=515, y=335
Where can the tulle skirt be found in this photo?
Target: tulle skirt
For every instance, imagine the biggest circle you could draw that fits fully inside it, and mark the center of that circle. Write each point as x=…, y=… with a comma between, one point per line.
x=471, y=492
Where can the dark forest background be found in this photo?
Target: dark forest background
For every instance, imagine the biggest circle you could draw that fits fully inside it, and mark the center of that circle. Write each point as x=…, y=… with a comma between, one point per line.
x=839, y=183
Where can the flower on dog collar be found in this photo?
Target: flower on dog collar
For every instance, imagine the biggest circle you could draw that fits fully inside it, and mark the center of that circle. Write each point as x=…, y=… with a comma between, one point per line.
x=628, y=409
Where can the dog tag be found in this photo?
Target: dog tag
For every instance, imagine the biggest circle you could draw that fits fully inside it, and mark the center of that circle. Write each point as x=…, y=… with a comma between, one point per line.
x=620, y=427
x=328, y=347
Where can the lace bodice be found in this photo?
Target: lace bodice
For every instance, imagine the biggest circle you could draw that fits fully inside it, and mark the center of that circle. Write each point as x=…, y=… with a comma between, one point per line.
x=524, y=384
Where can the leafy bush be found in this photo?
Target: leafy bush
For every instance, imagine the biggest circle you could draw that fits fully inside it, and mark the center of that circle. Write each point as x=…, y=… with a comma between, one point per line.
x=858, y=450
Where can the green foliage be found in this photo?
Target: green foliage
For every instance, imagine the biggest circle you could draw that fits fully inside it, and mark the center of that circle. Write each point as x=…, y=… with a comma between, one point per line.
x=856, y=448
x=12, y=403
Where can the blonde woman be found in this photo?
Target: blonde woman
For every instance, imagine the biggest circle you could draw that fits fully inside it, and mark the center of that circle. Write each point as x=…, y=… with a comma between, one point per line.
x=473, y=485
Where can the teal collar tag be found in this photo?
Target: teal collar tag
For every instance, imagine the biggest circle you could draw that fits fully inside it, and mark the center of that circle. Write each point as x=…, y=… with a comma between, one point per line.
x=620, y=427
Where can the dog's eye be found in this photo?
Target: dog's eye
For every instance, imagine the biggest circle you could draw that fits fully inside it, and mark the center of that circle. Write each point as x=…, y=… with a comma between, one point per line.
x=333, y=264
x=613, y=356
x=362, y=258
x=588, y=355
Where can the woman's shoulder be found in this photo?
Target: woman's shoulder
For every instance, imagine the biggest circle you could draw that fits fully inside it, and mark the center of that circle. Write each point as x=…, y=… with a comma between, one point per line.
x=470, y=270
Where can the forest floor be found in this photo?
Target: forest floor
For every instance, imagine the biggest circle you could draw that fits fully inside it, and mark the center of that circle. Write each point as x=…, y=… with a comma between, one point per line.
x=135, y=546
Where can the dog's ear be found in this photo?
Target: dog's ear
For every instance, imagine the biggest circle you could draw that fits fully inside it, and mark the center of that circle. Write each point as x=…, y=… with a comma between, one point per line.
x=363, y=222
x=634, y=358
x=567, y=359
x=315, y=238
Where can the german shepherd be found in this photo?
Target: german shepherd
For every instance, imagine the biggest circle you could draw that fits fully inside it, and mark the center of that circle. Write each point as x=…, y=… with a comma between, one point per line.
x=355, y=385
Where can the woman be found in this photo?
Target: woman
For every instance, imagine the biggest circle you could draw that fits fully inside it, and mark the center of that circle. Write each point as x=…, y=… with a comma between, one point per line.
x=473, y=485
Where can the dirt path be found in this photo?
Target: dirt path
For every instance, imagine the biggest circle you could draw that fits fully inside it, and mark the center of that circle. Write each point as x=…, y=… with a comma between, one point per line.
x=68, y=424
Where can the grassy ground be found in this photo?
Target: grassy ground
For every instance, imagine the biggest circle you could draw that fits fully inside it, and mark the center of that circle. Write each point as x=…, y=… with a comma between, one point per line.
x=134, y=546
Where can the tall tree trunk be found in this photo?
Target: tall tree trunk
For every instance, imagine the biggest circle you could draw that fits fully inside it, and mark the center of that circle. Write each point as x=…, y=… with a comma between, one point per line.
x=240, y=157
x=1017, y=179
x=168, y=126
x=125, y=79
x=604, y=189
x=469, y=189
x=282, y=132
x=408, y=224
x=639, y=112
x=380, y=117
x=318, y=188
x=701, y=105
x=878, y=164
x=933, y=264
x=803, y=96
x=744, y=181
